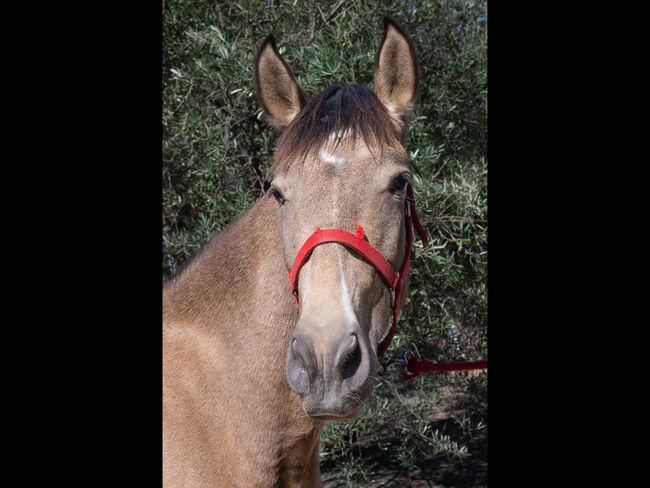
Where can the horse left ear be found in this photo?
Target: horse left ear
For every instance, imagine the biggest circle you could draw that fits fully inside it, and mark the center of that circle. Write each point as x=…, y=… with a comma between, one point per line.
x=397, y=74
x=277, y=89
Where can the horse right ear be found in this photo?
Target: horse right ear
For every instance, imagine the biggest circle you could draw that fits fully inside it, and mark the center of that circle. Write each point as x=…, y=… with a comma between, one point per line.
x=277, y=89
x=397, y=73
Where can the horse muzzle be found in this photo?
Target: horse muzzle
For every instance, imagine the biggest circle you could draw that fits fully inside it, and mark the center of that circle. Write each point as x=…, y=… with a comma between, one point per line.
x=331, y=368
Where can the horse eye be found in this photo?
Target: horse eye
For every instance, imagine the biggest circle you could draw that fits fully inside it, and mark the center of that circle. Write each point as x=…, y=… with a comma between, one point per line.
x=277, y=194
x=399, y=184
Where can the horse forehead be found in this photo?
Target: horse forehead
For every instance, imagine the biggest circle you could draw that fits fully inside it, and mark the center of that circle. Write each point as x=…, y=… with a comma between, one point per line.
x=344, y=161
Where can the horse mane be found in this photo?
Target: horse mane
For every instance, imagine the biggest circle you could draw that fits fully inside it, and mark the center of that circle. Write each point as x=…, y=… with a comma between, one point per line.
x=329, y=118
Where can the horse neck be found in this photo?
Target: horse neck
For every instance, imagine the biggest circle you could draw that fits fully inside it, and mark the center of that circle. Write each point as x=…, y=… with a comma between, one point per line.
x=227, y=319
x=238, y=282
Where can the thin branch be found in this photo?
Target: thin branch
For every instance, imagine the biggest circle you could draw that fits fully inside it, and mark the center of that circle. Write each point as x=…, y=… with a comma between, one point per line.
x=182, y=101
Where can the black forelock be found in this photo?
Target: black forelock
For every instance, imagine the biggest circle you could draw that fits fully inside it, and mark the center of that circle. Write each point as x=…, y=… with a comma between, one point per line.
x=336, y=110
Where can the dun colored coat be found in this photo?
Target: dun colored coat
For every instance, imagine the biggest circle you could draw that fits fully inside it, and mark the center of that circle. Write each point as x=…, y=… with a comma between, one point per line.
x=249, y=378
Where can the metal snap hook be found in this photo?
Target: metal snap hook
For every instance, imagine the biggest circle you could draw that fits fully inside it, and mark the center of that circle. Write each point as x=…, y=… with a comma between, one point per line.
x=404, y=361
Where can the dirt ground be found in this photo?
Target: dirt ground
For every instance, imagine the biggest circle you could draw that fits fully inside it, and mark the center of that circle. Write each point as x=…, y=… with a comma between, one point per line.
x=439, y=471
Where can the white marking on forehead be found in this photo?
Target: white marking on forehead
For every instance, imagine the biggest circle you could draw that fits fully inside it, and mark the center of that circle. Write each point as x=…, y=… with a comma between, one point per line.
x=330, y=158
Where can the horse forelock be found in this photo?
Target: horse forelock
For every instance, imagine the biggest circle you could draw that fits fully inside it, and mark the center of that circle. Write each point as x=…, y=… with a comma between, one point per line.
x=337, y=117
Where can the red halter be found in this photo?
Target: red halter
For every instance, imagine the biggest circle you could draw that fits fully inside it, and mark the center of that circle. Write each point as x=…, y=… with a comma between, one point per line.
x=395, y=280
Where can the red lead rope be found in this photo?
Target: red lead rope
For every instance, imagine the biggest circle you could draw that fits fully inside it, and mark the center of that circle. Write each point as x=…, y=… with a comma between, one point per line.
x=415, y=367
x=395, y=280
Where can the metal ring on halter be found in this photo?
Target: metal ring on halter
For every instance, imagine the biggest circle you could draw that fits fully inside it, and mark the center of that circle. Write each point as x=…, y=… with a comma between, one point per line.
x=407, y=355
x=404, y=360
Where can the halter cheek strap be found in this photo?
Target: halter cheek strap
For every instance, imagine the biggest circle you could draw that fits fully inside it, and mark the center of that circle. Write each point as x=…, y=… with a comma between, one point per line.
x=394, y=280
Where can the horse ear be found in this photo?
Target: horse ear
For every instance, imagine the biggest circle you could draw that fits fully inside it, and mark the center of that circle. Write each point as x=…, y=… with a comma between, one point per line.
x=277, y=89
x=397, y=74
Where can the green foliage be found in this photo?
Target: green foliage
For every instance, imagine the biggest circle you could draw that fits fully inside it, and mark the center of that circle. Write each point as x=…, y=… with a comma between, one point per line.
x=217, y=149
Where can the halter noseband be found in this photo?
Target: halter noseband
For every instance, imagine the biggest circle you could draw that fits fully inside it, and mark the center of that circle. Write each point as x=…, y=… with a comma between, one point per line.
x=395, y=280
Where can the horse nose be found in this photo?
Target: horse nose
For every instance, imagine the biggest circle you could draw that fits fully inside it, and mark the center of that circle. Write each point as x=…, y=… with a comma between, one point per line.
x=325, y=367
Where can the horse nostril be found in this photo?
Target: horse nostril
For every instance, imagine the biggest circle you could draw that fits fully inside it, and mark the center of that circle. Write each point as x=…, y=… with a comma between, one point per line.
x=300, y=352
x=297, y=366
x=349, y=357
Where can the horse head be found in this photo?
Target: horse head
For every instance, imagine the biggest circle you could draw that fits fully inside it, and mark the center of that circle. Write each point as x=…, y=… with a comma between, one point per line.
x=340, y=161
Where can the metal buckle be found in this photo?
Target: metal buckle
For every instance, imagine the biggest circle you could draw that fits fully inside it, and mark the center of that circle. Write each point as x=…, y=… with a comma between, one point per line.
x=403, y=361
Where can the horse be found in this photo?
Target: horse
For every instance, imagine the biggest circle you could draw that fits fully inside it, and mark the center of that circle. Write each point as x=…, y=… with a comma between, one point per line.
x=253, y=367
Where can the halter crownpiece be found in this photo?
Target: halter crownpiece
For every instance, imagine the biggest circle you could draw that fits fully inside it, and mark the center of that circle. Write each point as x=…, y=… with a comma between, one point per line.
x=394, y=279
